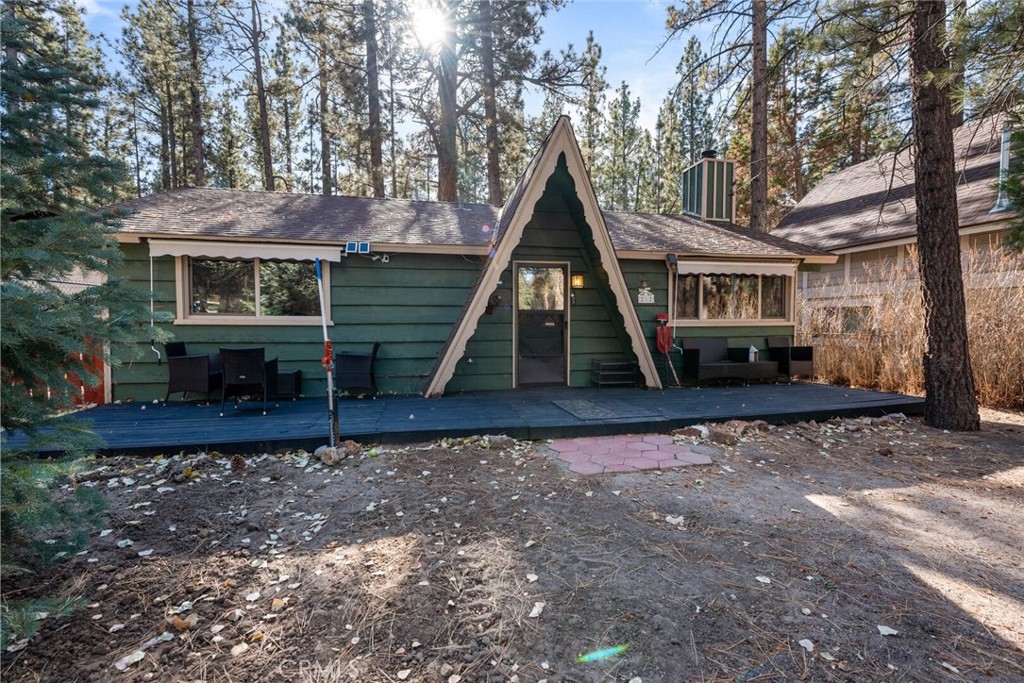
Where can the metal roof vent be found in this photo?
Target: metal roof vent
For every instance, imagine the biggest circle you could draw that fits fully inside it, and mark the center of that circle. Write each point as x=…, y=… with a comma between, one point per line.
x=1002, y=200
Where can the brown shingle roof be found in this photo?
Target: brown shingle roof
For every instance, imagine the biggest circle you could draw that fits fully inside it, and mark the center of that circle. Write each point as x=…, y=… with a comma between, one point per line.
x=874, y=200
x=685, y=235
x=213, y=213
x=195, y=212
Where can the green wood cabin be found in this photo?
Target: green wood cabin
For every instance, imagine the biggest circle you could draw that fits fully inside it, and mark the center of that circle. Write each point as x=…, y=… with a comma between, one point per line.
x=461, y=297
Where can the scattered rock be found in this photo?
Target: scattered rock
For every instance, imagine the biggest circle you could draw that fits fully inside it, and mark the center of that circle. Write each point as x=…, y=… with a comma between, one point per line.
x=723, y=436
x=499, y=441
x=329, y=455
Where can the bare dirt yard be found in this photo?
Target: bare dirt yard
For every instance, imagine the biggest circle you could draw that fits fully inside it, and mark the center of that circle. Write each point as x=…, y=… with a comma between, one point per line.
x=853, y=550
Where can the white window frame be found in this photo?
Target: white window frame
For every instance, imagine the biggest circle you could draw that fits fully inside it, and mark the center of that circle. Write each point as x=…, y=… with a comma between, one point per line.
x=184, y=315
x=754, y=269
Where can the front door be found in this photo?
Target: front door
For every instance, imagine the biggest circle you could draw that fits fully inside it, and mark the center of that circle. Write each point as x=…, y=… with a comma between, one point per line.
x=541, y=324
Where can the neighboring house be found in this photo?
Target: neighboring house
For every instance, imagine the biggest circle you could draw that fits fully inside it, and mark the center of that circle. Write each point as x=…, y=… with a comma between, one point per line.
x=866, y=215
x=462, y=297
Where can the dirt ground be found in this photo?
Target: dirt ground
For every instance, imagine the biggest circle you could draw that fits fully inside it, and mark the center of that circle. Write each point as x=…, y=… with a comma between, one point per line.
x=854, y=550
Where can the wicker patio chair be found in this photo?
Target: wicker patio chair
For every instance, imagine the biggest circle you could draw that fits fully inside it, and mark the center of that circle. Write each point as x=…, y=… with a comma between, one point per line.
x=354, y=371
x=185, y=373
x=793, y=360
x=247, y=373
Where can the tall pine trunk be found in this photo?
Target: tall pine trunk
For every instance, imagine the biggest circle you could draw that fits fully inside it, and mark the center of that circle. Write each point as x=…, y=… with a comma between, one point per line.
x=494, y=193
x=950, y=401
x=373, y=95
x=198, y=152
x=286, y=123
x=759, y=118
x=327, y=187
x=165, y=149
x=959, y=64
x=261, y=97
x=172, y=136
x=447, y=153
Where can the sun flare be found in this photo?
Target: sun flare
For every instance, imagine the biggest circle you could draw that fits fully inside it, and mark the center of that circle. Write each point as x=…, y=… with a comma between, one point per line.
x=429, y=24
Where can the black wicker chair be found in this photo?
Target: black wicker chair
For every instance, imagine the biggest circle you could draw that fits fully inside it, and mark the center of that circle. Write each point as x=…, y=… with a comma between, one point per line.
x=247, y=373
x=354, y=371
x=185, y=373
x=793, y=360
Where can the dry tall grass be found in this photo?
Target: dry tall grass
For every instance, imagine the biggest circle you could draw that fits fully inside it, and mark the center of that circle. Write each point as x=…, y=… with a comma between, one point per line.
x=877, y=340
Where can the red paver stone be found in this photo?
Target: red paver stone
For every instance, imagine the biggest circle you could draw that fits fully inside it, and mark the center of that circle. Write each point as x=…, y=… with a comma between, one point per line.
x=659, y=455
x=575, y=457
x=675, y=449
x=641, y=446
x=564, y=446
x=586, y=468
x=618, y=468
x=642, y=463
x=669, y=464
x=658, y=439
x=595, y=449
x=608, y=459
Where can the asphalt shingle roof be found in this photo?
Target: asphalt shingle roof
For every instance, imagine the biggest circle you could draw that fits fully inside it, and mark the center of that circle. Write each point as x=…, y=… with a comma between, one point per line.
x=211, y=213
x=874, y=200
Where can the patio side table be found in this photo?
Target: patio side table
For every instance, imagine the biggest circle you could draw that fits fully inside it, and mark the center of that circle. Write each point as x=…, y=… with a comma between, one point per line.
x=289, y=383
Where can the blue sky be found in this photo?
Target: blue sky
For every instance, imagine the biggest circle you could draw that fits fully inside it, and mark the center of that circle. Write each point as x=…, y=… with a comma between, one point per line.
x=628, y=31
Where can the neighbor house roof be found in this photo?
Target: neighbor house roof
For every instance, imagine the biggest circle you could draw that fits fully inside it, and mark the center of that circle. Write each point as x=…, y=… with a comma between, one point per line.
x=874, y=201
x=214, y=213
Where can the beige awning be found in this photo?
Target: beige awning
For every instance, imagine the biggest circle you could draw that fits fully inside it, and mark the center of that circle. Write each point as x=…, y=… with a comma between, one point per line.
x=735, y=268
x=246, y=250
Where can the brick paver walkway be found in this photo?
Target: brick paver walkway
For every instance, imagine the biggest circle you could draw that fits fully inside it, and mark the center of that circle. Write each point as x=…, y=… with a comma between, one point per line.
x=626, y=453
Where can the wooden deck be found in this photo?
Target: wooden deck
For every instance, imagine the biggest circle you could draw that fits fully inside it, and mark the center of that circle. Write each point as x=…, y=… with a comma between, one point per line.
x=151, y=429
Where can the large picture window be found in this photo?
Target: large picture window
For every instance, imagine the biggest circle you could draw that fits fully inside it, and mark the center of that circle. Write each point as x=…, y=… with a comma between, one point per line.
x=252, y=288
x=731, y=296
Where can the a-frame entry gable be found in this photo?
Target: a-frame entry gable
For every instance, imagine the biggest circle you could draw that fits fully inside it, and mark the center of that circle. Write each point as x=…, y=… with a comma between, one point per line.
x=515, y=215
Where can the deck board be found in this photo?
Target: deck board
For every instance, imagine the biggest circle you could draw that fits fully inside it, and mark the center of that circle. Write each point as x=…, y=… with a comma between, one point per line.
x=150, y=429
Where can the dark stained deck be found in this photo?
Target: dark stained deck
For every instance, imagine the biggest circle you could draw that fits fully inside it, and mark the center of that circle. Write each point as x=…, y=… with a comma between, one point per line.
x=150, y=429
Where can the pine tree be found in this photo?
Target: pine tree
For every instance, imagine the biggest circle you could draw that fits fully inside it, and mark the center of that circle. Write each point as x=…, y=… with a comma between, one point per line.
x=150, y=49
x=286, y=100
x=51, y=235
x=692, y=102
x=860, y=101
x=741, y=48
x=950, y=400
x=619, y=177
x=1013, y=184
x=245, y=45
x=592, y=109
x=227, y=154
x=669, y=161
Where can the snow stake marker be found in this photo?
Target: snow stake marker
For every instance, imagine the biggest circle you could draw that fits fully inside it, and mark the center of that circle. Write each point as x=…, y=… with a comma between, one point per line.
x=328, y=359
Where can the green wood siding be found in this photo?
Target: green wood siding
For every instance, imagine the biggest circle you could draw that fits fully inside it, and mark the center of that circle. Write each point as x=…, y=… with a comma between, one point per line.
x=555, y=233
x=408, y=304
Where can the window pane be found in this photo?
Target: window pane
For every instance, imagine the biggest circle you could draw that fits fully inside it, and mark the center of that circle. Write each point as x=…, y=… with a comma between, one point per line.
x=773, y=296
x=222, y=287
x=288, y=288
x=541, y=289
x=730, y=297
x=686, y=296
